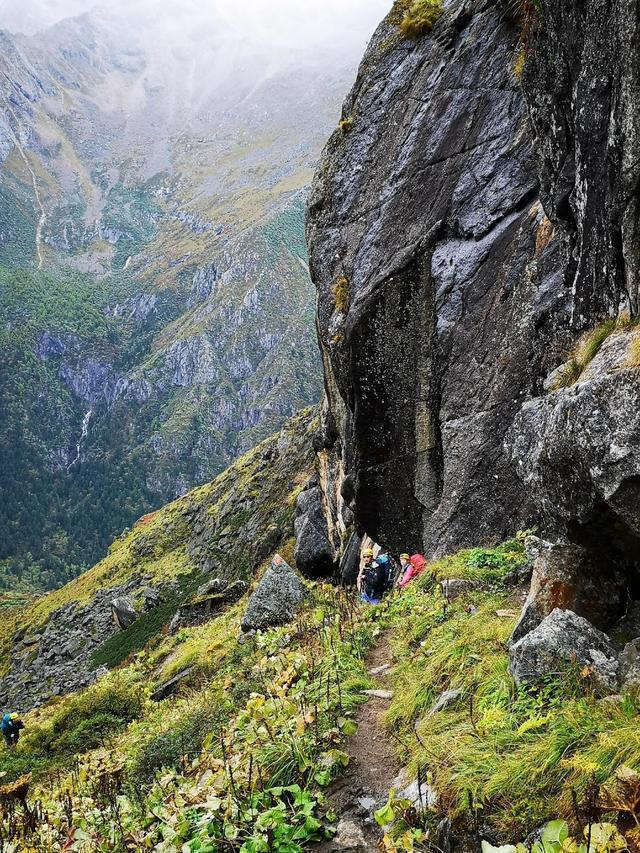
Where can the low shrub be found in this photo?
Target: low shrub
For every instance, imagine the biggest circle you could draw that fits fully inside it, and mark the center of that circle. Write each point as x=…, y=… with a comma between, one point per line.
x=417, y=17
x=341, y=294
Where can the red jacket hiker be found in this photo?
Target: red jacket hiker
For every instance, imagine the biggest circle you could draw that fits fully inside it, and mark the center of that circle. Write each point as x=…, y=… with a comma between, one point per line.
x=417, y=566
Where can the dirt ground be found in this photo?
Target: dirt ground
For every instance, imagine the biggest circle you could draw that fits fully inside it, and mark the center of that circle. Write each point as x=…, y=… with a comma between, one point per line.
x=365, y=785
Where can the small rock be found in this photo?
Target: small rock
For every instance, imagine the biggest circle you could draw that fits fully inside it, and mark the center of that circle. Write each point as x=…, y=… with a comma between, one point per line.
x=349, y=836
x=380, y=694
x=211, y=587
x=123, y=612
x=421, y=796
x=452, y=588
x=444, y=700
x=506, y=614
x=380, y=670
x=170, y=687
x=367, y=804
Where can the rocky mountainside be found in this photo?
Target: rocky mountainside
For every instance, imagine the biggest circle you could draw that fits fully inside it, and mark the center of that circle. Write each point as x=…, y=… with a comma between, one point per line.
x=157, y=310
x=173, y=564
x=475, y=259
x=472, y=235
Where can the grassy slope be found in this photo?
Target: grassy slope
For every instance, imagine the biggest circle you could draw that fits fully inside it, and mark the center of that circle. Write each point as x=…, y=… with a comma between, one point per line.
x=500, y=756
x=206, y=768
x=267, y=497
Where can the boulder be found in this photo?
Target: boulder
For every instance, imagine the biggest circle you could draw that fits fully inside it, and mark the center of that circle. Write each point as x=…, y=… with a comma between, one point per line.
x=275, y=600
x=313, y=552
x=453, y=588
x=123, y=612
x=566, y=578
x=629, y=661
x=561, y=639
x=421, y=794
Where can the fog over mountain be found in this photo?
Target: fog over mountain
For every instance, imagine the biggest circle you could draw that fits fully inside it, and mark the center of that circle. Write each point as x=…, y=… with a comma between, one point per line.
x=154, y=160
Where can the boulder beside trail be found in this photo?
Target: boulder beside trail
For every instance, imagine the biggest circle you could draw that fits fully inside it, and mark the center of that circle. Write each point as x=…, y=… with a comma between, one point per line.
x=275, y=600
x=565, y=577
x=123, y=612
x=563, y=638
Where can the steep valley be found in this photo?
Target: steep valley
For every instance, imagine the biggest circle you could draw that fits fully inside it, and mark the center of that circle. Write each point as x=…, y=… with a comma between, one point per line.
x=155, y=293
x=231, y=677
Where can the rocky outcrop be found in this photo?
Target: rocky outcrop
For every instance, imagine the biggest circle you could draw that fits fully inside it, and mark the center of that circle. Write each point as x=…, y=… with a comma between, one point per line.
x=427, y=215
x=577, y=451
x=55, y=658
x=276, y=599
x=462, y=238
x=560, y=641
x=314, y=554
x=566, y=577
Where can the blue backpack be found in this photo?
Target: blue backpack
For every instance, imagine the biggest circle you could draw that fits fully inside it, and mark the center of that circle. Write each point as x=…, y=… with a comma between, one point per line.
x=386, y=571
x=7, y=725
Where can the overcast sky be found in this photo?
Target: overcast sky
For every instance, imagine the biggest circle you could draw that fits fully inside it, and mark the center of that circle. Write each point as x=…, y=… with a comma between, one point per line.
x=281, y=23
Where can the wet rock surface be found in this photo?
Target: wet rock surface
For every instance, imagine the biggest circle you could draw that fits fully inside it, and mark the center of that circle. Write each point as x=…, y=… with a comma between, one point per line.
x=428, y=208
x=560, y=641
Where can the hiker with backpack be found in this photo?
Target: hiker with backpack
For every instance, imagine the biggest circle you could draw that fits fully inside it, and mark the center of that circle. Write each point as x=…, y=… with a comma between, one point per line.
x=415, y=567
x=371, y=578
x=11, y=727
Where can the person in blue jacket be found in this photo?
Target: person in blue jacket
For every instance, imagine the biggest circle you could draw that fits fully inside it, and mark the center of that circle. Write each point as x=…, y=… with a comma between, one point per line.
x=11, y=729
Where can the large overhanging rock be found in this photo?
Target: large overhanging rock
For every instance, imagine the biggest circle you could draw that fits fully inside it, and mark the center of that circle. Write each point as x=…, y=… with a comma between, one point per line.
x=577, y=451
x=453, y=275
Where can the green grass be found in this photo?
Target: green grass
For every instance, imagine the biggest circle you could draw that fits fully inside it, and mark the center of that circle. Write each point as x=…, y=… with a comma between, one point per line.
x=342, y=294
x=509, y=756
x=583, y=353
x=417, y=17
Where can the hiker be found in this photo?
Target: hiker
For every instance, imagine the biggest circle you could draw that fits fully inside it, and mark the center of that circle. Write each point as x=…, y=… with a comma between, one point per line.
x=11, y=729
x=371, y=578
x=417, y=565
x=405, y=565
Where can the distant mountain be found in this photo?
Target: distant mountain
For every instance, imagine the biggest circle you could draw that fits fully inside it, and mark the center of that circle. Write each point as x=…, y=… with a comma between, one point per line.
x=156, y=309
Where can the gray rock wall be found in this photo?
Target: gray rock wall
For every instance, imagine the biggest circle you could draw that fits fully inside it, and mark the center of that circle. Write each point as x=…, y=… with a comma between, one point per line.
x=457, y=303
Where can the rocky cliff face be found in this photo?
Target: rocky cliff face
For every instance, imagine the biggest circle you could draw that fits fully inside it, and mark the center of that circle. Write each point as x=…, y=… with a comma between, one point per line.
x=465, y=228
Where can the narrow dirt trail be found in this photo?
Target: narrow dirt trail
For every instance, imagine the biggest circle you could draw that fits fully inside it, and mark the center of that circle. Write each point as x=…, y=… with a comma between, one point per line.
x=373, y=765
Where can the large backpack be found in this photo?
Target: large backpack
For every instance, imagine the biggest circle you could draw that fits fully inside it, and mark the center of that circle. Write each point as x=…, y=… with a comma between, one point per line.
x=387, y=570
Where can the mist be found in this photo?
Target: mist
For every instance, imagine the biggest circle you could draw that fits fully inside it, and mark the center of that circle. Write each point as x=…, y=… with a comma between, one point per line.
x=280, y=25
